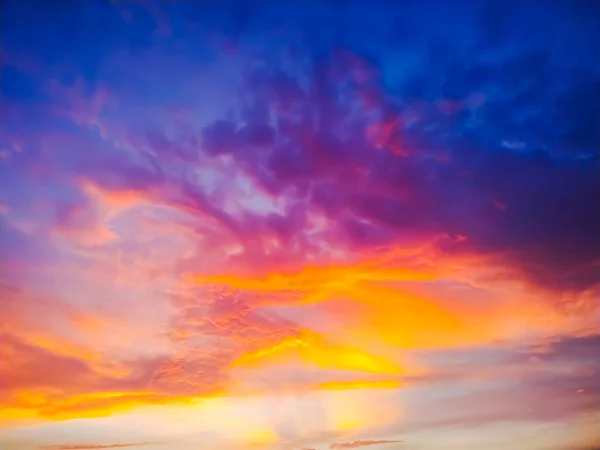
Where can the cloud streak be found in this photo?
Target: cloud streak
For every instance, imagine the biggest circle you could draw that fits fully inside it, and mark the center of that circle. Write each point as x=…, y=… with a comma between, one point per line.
x=91, y=446
x=362, y=443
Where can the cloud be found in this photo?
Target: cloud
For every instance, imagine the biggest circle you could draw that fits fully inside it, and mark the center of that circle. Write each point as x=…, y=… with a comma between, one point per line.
x=483, y=378
x=379, y=195
x=91, y=446
x=379, y=290
x=313, y=348
x=304, y=206
x=34, y=385
x=569, y=348
x=440, y=182
x=361, y=443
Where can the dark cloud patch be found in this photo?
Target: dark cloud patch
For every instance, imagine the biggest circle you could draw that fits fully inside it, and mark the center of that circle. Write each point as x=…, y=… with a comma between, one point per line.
x=495, y=143
x=582, y=349
x=460, y=127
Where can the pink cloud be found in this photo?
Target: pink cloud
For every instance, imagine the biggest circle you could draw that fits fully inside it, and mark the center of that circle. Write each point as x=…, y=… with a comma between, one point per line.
x=361, y=443
x=92, y=446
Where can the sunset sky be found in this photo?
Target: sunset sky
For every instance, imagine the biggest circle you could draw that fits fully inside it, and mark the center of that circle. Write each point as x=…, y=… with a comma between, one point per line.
x=299, y=225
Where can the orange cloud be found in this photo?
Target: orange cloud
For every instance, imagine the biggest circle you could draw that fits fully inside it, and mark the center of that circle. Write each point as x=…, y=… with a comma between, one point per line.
x=312, y=348
x=382, y=308
x=244, y=331
x=34, y=385
x=310, y=279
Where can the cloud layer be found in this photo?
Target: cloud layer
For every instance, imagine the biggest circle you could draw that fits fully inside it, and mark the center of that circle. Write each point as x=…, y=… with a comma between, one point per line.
x=213, y=204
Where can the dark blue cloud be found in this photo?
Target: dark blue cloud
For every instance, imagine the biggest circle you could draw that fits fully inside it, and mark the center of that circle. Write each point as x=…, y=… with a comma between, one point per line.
x=476, y=119
x=495, y=106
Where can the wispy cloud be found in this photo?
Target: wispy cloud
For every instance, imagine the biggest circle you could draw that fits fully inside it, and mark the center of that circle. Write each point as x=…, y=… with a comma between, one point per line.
x=361, y=443
x=92, y=447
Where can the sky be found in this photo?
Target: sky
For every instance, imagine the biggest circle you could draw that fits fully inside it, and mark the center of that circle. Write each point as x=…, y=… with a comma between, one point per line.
x=299, y=225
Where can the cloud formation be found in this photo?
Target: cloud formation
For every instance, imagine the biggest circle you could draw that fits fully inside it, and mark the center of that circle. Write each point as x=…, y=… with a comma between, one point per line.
x=90, y=446
x=358, y=444
x=209, y=203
